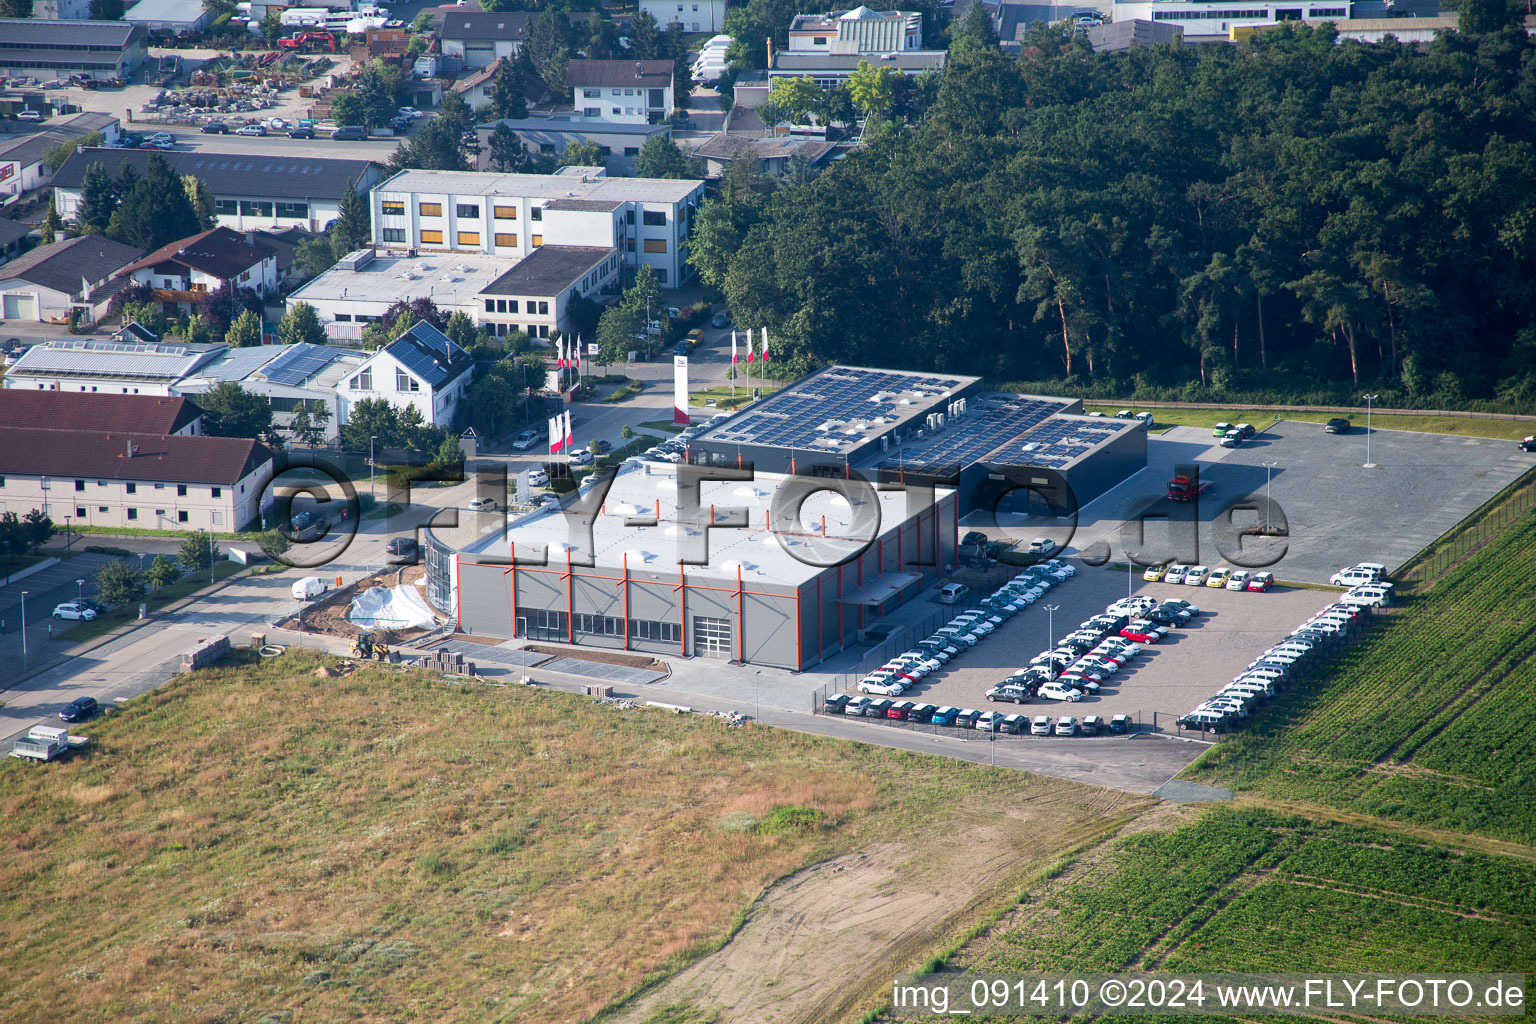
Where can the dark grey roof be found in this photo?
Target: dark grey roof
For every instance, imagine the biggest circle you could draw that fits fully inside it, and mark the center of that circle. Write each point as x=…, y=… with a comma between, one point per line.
x=231, y=174
x=220, y=252
x=655, y=74
x=430, y=354
x=809, y=63
x=586, y=205
x=10, y=231
x=485, y=25
x=572, y=126
x=42, y=34
x=725, y=146
x=549, y=270
x=62, y=265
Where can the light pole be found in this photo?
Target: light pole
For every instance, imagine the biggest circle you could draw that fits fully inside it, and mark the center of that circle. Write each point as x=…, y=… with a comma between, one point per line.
x=1268, y=467
x=372, y=472
x=23, y=629
x=757, y=696
x=1368, y=400
x=80, y=590
x=1050, y=626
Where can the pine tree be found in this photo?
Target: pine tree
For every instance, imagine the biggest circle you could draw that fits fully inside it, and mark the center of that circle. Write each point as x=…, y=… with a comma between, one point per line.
x=507, y=99
x=245, y=331
x=98, y=198
x=201, y=198
x=155, y=210
x=301, y=323
x=352, y=228
x=52, y=223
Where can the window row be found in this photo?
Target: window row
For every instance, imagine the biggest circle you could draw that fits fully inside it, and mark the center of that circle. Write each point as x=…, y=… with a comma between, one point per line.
x=609, y=625
x=510, y=306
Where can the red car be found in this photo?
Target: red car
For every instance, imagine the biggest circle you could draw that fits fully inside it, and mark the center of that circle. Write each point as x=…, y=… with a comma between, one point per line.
x=899, y=710
x=1261, y=581
x=1143, y=633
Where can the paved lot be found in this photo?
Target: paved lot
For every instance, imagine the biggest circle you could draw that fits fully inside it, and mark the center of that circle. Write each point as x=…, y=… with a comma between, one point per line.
x=1338, y=512
x=45, y=590
x=1167, y=679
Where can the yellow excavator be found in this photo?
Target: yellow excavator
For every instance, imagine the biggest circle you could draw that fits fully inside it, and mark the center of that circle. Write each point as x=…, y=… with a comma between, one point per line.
x=365, y=647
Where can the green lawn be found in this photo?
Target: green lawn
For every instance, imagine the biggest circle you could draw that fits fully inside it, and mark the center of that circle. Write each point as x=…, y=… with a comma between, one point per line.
x=723, y=397
x=1464, y=426
x=15, y=563
x=662, y=427
x=156, y=599
x=133, y=531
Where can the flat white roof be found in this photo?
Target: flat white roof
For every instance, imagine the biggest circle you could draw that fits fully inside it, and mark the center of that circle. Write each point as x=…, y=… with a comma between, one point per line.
x=447, y=278
x=790, y=554
x=583, y=184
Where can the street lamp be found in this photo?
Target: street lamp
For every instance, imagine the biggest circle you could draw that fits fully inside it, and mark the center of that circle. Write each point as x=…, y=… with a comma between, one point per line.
x=24, y=629
x=372, y=487
x=1268, y=467
x=1050, y=625
x=80, y=590
x=1368, y=400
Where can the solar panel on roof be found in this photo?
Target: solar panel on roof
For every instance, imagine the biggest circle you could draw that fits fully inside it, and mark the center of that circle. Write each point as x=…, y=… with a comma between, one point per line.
x=298, y=364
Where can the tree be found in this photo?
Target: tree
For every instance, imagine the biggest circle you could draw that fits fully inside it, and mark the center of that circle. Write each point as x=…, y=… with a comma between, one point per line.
x=52, y=222
x=201, y=198
x=976, y=26
x=436, y=146
x=155, y=210
x=163, y=571
x=56, y=155
x=507, y=152
x=1482, y=16
x=449, y=452
x=353, y=227
x=314, y=256
x=602, y=38
x=198, y=551
x=626, y=432
x=119, y=582
x=301, y=324
x=492, y=403
x=585, y=153
x=675, y=47
x=645, y=37
x=197, y=330
x=15, y=8
x=106, y=10
x=506, y=93
x=660, y=157
x=462, y=329
x=231, y=411
x=873, y=89
x=97, y=200
x=273, y=544
x=549, y=49
x=347, y=107
x=37, y=528
x=309, y=427
x=245, y=331
x=796, y=98
x=618, y=331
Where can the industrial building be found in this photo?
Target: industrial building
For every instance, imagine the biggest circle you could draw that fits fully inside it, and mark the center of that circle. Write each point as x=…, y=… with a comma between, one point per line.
x=37, y=48
x=825, y=523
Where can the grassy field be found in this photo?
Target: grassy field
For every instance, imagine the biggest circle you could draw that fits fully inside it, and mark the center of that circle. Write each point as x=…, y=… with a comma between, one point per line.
x=1431, y=719
x=1463, y=426
x=1245, y=889
x=721, y=393
x=254, y=842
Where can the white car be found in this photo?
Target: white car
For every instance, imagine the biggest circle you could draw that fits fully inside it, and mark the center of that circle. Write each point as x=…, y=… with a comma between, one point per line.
x=891, y=689
x=74, y=610
x=581, y=457
x=538, y=478
x=1352, y=577
x=28, y=115
x=1176, y=574
x=1239, y=580
x=1055, y=691
x=1196, y=576
x=410, y=112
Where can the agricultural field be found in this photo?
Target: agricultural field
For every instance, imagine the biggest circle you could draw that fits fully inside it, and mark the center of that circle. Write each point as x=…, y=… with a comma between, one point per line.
x=259, y=842
x=1249, y=890
x=1431, y=719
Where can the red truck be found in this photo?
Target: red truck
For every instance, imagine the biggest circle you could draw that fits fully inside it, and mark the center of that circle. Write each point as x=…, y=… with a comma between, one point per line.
x=1185, y=488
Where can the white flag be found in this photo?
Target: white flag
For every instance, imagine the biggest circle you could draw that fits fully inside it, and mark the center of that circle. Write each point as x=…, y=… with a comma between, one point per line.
x=570, y=435
x=554, y=442
x=733, y=348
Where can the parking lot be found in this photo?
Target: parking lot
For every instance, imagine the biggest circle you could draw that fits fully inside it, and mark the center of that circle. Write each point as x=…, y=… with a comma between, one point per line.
x=1337, y=512
x=1167, y=679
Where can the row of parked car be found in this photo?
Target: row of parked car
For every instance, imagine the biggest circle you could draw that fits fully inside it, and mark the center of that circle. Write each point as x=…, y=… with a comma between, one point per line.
x=1267, y=673
x=1082, y=661
x=965, y=630
x=970, y=718
x=1205, y=576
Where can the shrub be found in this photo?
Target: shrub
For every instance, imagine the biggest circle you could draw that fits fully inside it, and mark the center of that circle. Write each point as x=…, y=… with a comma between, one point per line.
x=789, y=819
x=102, y=549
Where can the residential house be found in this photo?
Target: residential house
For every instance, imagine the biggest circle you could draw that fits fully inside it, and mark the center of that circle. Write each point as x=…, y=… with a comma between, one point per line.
x=110, y=367
x=23, y=158
x=268, y=191
x=109, y=478
x=692, y=15
x=623, y=91
x=422, y=369
x=46, y=283
x=12, y=234
x=481, y=38
x=287, y=376
x=183, y=272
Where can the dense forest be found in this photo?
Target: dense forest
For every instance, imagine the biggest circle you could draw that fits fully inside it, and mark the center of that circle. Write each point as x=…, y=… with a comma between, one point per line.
x=1290, y=217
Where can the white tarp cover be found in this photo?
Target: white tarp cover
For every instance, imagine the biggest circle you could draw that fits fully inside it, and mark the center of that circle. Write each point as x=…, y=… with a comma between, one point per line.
x=391, y=608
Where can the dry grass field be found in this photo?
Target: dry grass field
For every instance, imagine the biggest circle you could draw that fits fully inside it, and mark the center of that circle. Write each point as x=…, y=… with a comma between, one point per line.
x=254, y=843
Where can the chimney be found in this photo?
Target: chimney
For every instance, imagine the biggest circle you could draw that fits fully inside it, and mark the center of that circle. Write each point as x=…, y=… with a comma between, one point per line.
x=770, y=52
x=131, y=448
x=639, y=70
x=250, y=239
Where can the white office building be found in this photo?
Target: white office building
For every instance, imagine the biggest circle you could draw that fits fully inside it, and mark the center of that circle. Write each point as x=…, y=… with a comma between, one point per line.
x=693, y=15
x=1208, y=19
x=646, y=220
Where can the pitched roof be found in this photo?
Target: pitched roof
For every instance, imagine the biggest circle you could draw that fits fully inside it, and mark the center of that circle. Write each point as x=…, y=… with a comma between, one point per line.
x=78, y=410
x=430, y=354
x=103, y=455
x=10, y=231
x=549, y=270
x=30, y=148
x=46, y=34
x=62, y=265
x=655, y=74
x=232, y=174
x=458, y=24
x=219, y=252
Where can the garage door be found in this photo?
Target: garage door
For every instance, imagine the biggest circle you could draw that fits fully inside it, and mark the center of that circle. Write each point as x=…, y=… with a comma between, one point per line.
x=479, y=55
x=19, y=307
x=712, y=637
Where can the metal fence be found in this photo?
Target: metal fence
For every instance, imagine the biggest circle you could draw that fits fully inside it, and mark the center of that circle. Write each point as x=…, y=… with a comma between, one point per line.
x=1497, y=514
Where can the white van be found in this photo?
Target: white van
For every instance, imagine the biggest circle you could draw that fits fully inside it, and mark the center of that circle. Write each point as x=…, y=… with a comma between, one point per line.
x=309, y=587
x=953, y=593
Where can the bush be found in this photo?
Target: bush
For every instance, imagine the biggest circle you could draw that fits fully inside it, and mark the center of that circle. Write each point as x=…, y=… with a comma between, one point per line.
x=102, y=549
x=789, y=819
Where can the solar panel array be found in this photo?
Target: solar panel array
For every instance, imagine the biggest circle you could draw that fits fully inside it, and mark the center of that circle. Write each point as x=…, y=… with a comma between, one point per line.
x=1059, y=441
x=834, y=410
x=420, y=362
x=99, y=345
x=983, y=430
x=298, y=364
